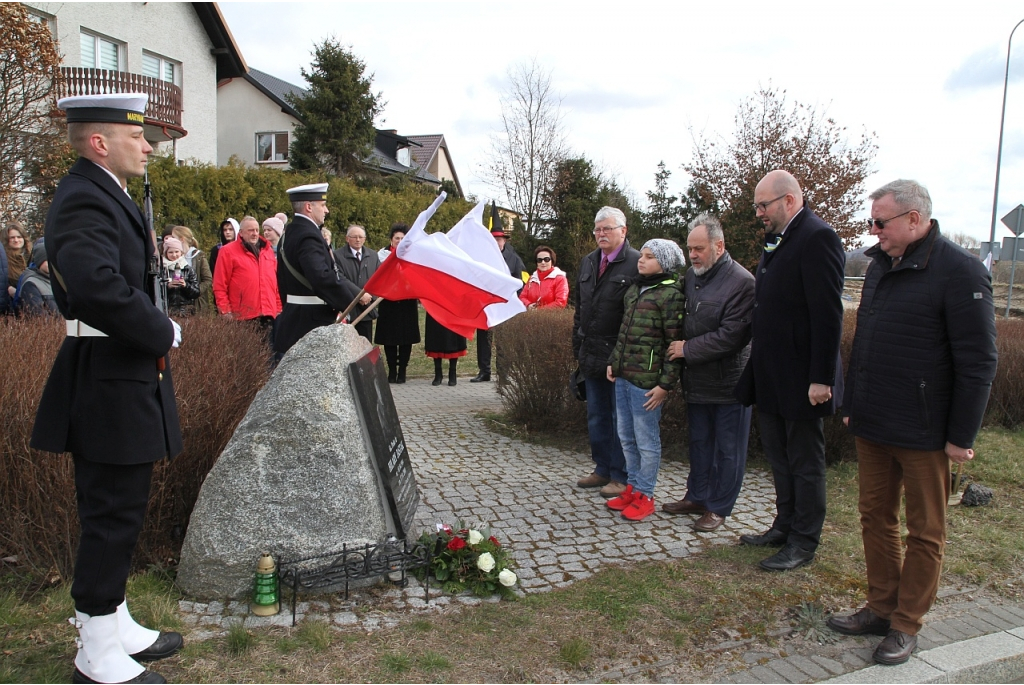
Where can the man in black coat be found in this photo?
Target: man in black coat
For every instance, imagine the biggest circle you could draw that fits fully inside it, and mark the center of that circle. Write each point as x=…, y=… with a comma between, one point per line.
x=515, y=269
x=312, y=292
x=357, y=264
x=605, y=275
x=109, y=400
x=924, y=356
x=794, y=362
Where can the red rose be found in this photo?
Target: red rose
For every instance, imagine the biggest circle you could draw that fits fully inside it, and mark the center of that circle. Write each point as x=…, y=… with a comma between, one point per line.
x=495, y=541
x=455, y=544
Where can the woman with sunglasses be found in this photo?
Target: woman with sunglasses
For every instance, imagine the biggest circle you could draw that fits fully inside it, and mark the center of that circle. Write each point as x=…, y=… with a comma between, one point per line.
x=548, y=286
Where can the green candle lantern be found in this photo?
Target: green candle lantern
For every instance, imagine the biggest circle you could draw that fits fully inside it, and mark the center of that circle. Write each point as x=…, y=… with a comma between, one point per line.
x=265, y=599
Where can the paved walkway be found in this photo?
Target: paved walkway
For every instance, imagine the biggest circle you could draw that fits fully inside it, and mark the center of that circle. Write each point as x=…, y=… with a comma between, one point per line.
x=559, y=534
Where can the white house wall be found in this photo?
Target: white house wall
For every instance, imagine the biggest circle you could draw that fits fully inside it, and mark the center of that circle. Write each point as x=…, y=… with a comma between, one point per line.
x=243, y=111
x=169, y=29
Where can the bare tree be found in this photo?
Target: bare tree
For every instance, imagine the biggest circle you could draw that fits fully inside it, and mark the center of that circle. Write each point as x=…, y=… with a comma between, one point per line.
x=526, y=152
x=802, y=140
x=968, y=242
x=32, y=141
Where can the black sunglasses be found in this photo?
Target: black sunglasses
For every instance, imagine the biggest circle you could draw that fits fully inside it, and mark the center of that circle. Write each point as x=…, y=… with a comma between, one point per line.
x=880, y=223
x=543, y=259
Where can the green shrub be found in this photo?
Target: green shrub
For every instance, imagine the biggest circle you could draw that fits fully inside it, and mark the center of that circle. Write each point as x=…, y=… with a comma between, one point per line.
x=201, y=196
x=217, y=372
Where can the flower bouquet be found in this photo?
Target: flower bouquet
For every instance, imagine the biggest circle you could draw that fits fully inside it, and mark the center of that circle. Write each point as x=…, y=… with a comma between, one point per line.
x=469, y=559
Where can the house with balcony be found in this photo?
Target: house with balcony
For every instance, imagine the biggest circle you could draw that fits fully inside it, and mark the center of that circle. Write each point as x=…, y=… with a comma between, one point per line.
x=174, y=51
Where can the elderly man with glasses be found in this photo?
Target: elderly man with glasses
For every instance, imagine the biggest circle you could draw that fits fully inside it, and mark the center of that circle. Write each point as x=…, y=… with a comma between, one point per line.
x=794, y=375
x=924, y=356
x=604, y=276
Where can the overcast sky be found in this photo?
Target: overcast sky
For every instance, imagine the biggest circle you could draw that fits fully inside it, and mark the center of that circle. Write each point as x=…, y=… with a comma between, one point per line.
x=636, y=77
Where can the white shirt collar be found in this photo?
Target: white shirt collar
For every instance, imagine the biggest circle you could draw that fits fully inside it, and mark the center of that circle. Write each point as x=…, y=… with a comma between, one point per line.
x=791, y=221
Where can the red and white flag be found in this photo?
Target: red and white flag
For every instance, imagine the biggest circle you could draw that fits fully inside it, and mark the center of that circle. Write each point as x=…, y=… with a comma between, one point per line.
x=455, y=276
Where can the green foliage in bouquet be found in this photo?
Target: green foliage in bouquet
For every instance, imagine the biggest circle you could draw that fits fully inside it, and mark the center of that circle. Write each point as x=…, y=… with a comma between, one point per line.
x=469, y=559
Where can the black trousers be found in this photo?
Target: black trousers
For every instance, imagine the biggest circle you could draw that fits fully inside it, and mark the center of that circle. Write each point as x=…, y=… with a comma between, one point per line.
x=112, y=502
x=796, y=452
x=483, y=351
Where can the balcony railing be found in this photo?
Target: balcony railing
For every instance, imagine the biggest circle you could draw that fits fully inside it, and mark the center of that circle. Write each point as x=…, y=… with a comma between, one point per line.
x=164, y=98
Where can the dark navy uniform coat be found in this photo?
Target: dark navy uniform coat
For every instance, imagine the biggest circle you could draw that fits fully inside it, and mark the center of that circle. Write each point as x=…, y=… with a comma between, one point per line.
x=305, y=249
x=104, y=401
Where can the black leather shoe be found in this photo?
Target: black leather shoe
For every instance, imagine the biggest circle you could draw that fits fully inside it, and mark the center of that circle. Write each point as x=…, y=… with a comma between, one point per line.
x=772, y=538
x=165, y=645
x=787, y=559
x=480, y=378
x=895, y=648
x=863, y=622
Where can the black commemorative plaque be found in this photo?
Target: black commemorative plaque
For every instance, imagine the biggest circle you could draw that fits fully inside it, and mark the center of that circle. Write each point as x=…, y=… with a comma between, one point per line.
x=383, y=434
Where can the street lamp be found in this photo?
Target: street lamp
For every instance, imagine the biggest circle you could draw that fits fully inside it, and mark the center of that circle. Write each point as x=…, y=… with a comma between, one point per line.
x=999, y=154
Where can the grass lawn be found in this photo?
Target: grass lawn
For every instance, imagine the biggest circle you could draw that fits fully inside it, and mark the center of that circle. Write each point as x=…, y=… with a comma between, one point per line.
x=635, y=613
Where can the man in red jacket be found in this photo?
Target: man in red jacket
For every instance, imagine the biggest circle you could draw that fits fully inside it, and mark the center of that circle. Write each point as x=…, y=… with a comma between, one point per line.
x=245, y=283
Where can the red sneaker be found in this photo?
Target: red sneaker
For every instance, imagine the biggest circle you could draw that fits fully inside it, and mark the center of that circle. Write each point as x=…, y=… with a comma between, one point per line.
x=640, y=508
x=624, y=500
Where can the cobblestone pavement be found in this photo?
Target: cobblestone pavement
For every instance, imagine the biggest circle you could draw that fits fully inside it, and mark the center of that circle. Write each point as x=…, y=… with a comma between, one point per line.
x=557, y=532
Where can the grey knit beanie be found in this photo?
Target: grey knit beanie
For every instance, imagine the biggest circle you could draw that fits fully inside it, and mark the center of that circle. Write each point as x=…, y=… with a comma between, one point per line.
x=668, y=254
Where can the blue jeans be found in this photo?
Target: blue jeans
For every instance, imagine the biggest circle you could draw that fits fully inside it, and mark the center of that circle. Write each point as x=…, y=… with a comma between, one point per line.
x=640, y=435
x=604, y=440
x=719, y=434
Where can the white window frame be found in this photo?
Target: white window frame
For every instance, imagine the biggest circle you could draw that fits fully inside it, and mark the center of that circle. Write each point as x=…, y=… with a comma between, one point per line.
x=273, y=150
x=164, y=63
x=97, y=37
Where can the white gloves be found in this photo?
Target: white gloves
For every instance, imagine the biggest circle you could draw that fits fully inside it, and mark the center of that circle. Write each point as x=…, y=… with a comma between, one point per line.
x=177, y=333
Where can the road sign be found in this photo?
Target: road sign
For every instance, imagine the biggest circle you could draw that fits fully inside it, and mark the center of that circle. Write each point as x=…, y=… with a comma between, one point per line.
x=1015, y=220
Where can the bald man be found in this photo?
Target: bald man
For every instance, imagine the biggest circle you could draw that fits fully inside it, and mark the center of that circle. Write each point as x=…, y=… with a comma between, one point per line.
x=794, y=374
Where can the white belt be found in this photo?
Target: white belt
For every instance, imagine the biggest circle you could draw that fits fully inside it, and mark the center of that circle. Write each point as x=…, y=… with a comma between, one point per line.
x=77, y=329
x=304, y=299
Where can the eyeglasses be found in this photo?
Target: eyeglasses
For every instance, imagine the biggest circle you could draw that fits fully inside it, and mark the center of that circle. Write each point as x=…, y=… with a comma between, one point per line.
x=880, y=223
x=599, y=231
x=763, y=206
x=541, y=260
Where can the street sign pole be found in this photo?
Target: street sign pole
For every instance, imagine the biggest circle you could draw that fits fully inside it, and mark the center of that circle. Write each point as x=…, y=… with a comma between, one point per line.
x=1013, y=222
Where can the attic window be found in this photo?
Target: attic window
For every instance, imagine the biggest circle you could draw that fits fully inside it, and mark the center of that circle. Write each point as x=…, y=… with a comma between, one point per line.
x=404, y=157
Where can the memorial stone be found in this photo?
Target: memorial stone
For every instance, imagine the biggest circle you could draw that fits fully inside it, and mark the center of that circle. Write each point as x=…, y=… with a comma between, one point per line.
x=297, y=477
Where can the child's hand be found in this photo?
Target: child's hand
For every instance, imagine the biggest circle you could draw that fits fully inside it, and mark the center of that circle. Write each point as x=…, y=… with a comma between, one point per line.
x=657, y=395
x=608, y=373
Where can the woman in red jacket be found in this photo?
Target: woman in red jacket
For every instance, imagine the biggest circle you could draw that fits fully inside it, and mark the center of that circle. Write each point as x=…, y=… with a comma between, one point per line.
x=548, y=286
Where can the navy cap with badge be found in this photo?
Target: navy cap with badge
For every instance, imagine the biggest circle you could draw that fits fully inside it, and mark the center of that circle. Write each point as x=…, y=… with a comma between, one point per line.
x=114, y=108
x=313, y=192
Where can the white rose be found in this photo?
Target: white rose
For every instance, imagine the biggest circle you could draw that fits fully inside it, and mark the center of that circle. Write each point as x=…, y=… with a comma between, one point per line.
x=507, y=578
x=485, y=562
x=475, y=537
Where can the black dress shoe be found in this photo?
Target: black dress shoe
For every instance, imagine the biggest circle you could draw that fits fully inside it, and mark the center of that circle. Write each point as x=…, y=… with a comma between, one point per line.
x=787, y=559
x=772, y=538
x=895, y=648
x=165, y=645
x=863, y=622
x=480, y=378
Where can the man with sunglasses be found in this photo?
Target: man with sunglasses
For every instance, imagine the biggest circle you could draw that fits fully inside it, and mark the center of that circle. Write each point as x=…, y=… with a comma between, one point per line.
x=924, y=356
x=794, y=375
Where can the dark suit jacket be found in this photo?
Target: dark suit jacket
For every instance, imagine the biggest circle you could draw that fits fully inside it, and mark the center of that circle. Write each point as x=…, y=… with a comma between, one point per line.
x=358, y=271
x=797, y=322
x=304, y=248
x=104, y=401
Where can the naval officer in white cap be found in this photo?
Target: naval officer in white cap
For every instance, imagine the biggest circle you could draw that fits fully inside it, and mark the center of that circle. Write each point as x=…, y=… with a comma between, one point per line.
x=109, y=400
x=312, y=291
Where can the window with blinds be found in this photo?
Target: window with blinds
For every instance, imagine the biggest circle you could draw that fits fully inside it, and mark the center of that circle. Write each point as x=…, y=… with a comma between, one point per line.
x=100, y=53
x=158, y=67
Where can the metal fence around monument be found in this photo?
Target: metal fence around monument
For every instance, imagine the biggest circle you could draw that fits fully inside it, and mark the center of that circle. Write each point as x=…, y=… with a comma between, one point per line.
x=333, y=570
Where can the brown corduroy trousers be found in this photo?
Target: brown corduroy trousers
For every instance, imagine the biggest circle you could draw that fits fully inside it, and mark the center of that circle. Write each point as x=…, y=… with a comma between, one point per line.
x=902, y=589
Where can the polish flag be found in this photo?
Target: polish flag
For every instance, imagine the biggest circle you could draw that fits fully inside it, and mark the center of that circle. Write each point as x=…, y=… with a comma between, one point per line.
x=456, y=276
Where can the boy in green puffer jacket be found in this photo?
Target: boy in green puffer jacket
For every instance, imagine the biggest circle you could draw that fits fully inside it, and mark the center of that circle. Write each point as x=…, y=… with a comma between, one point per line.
x=642, y=373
